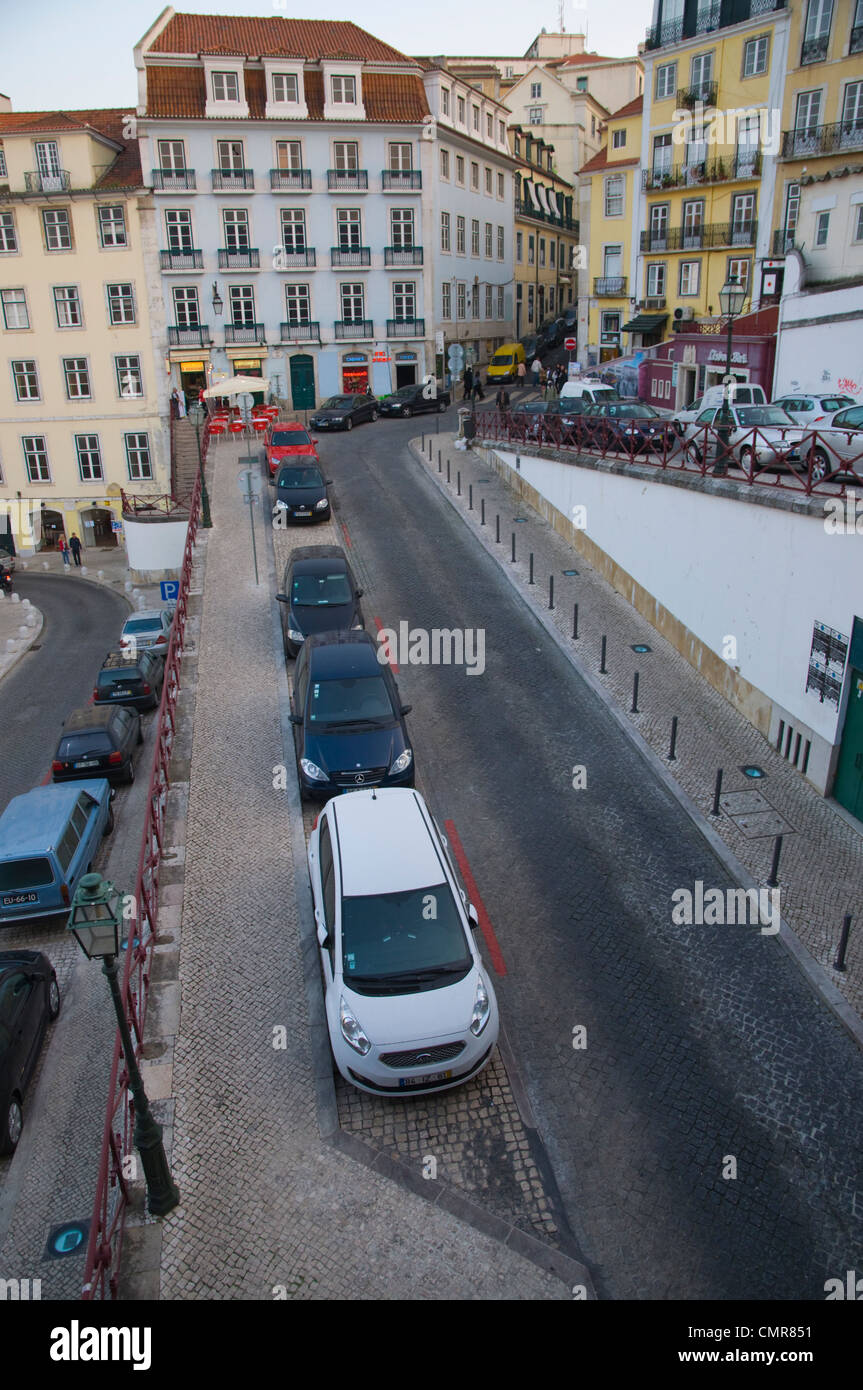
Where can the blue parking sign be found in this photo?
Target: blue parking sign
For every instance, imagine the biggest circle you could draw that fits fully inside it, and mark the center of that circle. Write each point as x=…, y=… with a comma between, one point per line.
x=170, y=590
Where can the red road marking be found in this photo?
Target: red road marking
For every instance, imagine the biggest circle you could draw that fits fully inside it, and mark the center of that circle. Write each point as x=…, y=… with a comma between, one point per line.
x=45, y=779
x=347, y=537
x=392, y=665
x=486, y=927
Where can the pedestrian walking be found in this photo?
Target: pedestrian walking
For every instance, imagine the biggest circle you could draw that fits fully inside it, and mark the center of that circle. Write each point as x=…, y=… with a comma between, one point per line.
x=467, y=378
x=501, y=400
x=63, y=549
x=75, y=547
x=536, y=368
x=543, y=381
x=521, y=372
x=478, y=393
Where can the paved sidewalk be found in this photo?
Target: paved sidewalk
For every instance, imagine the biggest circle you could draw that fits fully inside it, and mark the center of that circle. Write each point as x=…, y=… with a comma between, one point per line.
x=20, y=628
x=821, y=868
x=270, y=1207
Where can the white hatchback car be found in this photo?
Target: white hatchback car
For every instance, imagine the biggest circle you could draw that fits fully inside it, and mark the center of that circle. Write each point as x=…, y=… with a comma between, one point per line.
x=410, y=1006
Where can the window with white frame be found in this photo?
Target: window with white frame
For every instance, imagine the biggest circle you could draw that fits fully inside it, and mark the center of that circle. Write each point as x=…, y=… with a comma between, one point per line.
x=236, y=225
x=89, y=458
x=298, y=304
x=459, y=169
x=445, y=231
x=488, y=181
x=67, y=306
x=15, y=313
x=121, y=303
x=488, y=301
x=475, y=117
x=289, y=156
x=857, y=219
x=444, y=164
x=404, y=301
x=755, y=53
x=401, y=157
x=666, y=80
x=178, y=227
x=474, y=236
x=534, y=115
x=293, y=222
x=614, y=195
x=822, y=228
x=739, y=269
x=444, y=101
x=500, y=243
x=112, y=225
x=186, y=312
x=242, y=301
x=4, y=173
x=690, y=278
x=501, y=132
x=346, y=155
x=542, y=251
x=349, y=228
x=489, y=125
x=499, y=302
x=618, y=139
x=138, y=457
x=501, y=187
x=461, y=110
x=402, y=228
x=36, y=458
x=474, y=301
x=535, y=91
x=459, y=235
x=8, y=239
x=48, y=162
x=662, y=154
x=353, y=302
x=172, y=156
x=474, y=175
x=58, y=229
x=461, y=299
x=489, y=240
x=77, y=376
x=226, y=86
x=231, y=156
x=656, y=280
x=446, y=300
x=344, y=90
x=130, y=379
x=26, y=380
x=285, y=88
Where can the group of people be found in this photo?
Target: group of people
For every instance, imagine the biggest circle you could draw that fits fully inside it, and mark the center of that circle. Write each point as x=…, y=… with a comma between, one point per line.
x=73, y=546
x=548, y=382
x=472, y=385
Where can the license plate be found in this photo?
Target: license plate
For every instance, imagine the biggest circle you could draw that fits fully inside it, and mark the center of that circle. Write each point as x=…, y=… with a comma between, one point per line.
x=424, y=1080
x=87, y=762
x=12, y=899
x=302, y=511
x=118, y=693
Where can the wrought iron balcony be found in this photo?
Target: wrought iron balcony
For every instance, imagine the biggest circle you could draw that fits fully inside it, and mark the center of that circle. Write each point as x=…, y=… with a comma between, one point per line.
x=287, y=258
x=174, y=180
x=609, y=285
x=189, y=337
x=822, y=139
x=738, y=166
x=36, y=182
x=401, y=180
x=181, y=260
x=856, y=43
x=351, y=256
x=524, y=208
x=783, y=241
x=711, y=235
x=707, y=18
x=290, y=180
x=232, y=180
x=347, y=180
x=403, y=255
x=354, y=329
x=248, y=259
x=814, y=50
x=406, y=328
x=662, y=35
x=300, y=332
x=705, y=92
x=240, y=333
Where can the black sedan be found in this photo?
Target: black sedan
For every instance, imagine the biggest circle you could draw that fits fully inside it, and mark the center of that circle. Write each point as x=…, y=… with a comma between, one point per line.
x=320, y=594
x=301, y=495
x=343, y=412
x=627, y=426
x=349, y=719
x=412, y=400
x=29, y=1001
x=98, y=741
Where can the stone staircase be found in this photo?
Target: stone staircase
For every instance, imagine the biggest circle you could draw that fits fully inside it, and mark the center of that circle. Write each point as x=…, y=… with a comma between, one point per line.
x=184, y=464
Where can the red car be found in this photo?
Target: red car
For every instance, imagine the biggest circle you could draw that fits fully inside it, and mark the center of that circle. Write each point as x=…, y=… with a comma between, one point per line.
x=287, y=441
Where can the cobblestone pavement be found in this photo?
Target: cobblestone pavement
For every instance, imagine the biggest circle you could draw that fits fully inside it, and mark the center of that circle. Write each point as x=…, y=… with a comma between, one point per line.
x=268, y=1205
x=821, y=867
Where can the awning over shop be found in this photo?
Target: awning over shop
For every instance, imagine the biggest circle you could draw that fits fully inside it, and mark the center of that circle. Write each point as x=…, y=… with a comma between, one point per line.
x=645, y=323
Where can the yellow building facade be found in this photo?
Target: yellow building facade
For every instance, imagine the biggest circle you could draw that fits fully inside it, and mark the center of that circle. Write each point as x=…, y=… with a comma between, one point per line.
x=612, y=177
x=546, y=234
x=83, y=402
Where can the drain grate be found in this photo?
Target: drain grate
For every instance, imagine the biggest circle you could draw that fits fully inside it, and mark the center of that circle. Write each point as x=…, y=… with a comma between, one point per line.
x=754, y=816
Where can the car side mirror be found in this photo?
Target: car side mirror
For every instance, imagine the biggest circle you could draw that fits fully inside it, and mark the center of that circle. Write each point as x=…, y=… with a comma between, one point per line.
x=314, y=441
x=405, y=709
x=473, y=915
x=282, y=598
x=296, y=719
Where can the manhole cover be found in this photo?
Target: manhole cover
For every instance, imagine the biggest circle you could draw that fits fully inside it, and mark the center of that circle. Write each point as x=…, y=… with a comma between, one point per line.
x=739, y=803
x=760, y=824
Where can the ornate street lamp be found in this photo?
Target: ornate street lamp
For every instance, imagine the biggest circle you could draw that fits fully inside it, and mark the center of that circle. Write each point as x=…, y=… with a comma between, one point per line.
x=196, y=414
x=217, y=298
x=731, y=298
x=96, y=920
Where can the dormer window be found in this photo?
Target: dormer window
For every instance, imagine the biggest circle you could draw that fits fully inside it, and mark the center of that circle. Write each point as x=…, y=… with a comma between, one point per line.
x=285, y=87
x=344, y=91
x=285, y=92
x=226, y=86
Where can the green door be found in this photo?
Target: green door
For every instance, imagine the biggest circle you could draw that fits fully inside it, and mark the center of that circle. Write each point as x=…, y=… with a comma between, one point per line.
x=848, y=787
x=302, y=382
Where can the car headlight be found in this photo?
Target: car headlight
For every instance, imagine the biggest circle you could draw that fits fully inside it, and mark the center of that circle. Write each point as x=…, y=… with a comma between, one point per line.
x=339, y=419
x=481, y=1008
x=312, y=770
x=294, y=636
x=352, y=1030
x=322, y=505
x=356, y=627
x=402, y=762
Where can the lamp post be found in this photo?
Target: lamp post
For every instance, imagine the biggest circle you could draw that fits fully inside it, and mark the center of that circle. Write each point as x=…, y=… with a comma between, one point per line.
x=731, y=298
x=196, y=414
x=96, y=922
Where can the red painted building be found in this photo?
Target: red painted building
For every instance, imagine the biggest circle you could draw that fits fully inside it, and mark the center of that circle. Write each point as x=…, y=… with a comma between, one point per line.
x=694, y=357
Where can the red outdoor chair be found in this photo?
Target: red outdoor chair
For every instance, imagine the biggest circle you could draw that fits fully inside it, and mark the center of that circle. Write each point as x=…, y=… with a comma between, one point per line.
x=236, y=427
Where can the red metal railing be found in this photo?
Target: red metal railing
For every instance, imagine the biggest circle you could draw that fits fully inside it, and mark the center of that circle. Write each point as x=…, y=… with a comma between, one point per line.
x=811, y=462
x=136, y=504
x=112, y=1190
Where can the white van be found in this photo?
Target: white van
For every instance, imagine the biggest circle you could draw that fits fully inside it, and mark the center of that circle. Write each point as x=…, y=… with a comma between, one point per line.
x=739, y=393
x=588, y=392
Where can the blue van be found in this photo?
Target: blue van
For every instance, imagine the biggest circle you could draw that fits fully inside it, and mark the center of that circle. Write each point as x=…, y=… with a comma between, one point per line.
x=48, y=840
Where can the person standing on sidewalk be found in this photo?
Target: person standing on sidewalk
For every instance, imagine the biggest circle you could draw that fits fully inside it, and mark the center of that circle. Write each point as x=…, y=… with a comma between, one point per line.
x=501, y=400
x=63, y=549
x=75, y=547
x=521, y=373
x=536, y=368
x=468, y=383
x=478, y=393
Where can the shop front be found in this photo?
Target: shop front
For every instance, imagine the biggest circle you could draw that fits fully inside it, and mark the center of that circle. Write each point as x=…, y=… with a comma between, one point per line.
x=97, y=527
x=250, y=366
x=193, y=378
x=406, y=369
x=695, y=357
x=355, y=372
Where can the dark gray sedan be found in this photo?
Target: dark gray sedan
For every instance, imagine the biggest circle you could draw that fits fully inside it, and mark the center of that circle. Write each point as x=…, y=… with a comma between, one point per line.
x=343, y=412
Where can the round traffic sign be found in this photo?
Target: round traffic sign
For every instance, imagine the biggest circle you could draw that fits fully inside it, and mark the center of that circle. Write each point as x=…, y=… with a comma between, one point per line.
x=569, y=344
x=455, y=356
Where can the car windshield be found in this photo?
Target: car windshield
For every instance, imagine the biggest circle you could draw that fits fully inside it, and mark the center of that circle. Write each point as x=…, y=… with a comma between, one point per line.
x=502, y=360
x=352, y=700
x=21, y=874
x=338, y=403
x=284, y=438
x=299, y=477
x=404, y=392
x=93, y=743
x=320, y=590
x=143, y=625
x=388, y=935
x=752, y=415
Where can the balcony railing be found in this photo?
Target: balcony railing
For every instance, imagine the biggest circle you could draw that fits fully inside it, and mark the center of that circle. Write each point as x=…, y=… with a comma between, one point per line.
x=37, y=182
x=247, y=259
x=300, y=332
x=174, y=180
x=291, y=259
x=783, y=241
x=822, y=139
x=661, y=35
x=401, y=180
x=290, y=180
x=814, y=50
x=707, y=18
x=353, y=256
x=699, y=238
x=606, y=285
x=403, y=255
x=181, y=260
x=347, y=180
x=524, y=208
x=189, y=337
x=240, y=333
x=354, y=329
x=232, y=180
x=739, y=166
x=705, y=92
x=406, y=328
x=856, y=42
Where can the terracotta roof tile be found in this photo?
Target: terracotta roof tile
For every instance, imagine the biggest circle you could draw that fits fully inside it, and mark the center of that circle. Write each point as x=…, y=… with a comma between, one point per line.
x=180, y=93
x=125, y=172
x=602, y=161
x=575, y=60
x=272, y=37
x=632, y=108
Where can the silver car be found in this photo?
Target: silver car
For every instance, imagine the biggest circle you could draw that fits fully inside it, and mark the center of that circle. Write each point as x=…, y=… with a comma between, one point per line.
x=838, y=448
x=814, y=409
x=760, y=436
x=149, y=628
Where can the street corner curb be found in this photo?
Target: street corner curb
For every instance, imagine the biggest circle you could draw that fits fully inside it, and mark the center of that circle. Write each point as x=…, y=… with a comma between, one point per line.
x=9, y=660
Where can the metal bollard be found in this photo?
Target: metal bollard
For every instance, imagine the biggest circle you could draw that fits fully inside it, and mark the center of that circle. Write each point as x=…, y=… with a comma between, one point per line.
x=458, y=483
x=470, y=498
x=448, y=470
x=497, y=529
x=672, y=755
x=839, y=962
x=575, y=622
x=530, y=581
x=634, y=706
x=773, y=881
x=482, y=511
x=430, y=450
x=602, y=670
x=716, y=792
x=513, y=547
x=439, y=469
x=551, y=591
x=424, y=441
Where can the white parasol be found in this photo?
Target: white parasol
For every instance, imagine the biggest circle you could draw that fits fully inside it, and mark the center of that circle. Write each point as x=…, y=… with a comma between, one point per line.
x=236, y=385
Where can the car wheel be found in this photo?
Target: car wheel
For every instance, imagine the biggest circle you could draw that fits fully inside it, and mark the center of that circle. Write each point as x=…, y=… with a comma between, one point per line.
x=692, y=454
x=140, y=733
x=374, y=416
x=349, y=424
x=130, y=775
x=406, y=412
x=748, y=460
x=13, y=1123
x=442, y=407
x=53, y=997
x=109, y=823
x=820, y=466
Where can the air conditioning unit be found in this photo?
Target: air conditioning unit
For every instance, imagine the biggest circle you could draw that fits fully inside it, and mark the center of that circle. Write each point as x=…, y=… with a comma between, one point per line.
x=684, y=314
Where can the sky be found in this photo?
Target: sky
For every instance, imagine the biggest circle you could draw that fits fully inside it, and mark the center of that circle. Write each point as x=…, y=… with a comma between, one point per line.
x=60, y=54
